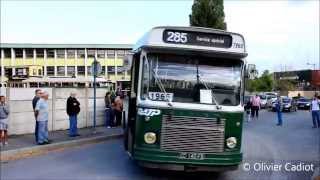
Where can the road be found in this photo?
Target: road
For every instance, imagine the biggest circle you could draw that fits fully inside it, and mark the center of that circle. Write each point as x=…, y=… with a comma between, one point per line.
x=264, y=142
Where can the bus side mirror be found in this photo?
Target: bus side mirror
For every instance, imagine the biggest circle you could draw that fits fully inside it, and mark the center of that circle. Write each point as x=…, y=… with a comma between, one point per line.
x=251, y=72
x=127, y=61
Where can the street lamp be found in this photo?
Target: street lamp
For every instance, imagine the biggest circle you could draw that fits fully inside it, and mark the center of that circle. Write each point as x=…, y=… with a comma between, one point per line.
x=313, y=64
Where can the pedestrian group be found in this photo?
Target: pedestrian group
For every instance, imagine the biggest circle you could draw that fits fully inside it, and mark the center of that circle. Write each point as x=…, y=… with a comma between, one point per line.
x=252, y=108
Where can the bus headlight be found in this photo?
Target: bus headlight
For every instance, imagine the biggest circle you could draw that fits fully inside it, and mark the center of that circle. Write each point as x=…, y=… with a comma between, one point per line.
x=150, y=137
x=231, y=142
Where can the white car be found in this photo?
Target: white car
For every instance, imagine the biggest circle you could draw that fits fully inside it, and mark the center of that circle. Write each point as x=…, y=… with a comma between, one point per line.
x=263, y=103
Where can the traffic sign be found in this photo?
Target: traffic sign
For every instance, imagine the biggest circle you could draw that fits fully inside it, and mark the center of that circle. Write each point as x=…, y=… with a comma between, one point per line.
x=96, y=67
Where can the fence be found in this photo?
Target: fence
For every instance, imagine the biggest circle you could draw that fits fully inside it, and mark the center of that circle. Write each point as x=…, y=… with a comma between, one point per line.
x=21, y=118
x=308, y=94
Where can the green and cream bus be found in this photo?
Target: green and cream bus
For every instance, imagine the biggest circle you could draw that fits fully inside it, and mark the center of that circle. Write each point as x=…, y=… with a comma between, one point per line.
x=185, y=105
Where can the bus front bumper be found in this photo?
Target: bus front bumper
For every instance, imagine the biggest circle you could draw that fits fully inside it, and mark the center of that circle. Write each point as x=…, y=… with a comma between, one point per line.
x=152, y=158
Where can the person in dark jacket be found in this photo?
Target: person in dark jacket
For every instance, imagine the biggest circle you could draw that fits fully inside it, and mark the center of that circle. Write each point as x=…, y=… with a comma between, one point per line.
x=34, y=103
x=73, y=109
x=279, y=110
x=109, y=114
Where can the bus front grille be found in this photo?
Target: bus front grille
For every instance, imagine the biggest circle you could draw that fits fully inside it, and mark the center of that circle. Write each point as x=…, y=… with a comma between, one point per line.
x=192, y=134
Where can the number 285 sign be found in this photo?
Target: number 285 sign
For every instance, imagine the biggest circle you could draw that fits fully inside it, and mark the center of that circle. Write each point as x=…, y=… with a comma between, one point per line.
x=197, y=38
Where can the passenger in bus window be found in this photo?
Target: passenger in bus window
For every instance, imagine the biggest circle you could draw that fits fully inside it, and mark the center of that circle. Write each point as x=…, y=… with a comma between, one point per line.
x=4, y=121
x=73, y=109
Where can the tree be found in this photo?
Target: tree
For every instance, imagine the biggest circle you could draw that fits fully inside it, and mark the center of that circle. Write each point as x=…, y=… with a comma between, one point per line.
x=208, y=13
x=263, y=83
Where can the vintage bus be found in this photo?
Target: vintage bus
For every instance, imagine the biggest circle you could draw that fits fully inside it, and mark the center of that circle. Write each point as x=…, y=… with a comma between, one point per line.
x=185, y=104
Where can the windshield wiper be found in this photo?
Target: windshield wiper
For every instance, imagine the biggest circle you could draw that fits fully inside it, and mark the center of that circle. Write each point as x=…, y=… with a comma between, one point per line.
x=159, y=83
x=205, y=84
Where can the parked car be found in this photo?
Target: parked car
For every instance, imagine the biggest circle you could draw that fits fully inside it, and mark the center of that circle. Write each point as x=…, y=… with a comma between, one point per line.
x=270, y=100
x=303, y=103
x=263, y=103
x=289, y=104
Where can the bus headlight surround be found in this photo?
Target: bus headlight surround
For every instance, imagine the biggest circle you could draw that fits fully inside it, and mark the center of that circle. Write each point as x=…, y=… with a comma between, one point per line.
x=150, y=137
x=231, y=142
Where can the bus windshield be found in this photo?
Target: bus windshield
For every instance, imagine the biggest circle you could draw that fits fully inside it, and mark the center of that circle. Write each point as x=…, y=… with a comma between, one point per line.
x=188, y=79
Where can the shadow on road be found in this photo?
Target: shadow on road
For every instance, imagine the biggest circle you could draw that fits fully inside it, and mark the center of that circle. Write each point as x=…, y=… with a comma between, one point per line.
x=166, y=174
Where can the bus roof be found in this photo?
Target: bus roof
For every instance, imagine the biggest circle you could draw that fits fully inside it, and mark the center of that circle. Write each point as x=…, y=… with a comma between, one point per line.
x=193, y=38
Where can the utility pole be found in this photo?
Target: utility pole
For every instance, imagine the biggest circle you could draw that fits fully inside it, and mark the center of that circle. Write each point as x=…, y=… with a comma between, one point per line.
x=96, y=70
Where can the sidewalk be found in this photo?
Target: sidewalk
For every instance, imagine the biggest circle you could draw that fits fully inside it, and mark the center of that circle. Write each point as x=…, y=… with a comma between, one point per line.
x=21, y=146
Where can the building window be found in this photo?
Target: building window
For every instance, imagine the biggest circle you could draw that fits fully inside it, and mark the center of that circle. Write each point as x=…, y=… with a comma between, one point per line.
x=80, y=53
x=110, y=54
x=126, y=52
x=50, y=70
x=29, y=53
x=7, y=53
x=60, y=70
x=103, y=70
x=71, y=70
x=111, y=69
x=71, y=53
x=40, y=53
x=120, y=53
x=91, y=53
x=60, y=53
x=81, y=70
x=50, y=53
x=18, y=53
x=89, y=70
x=101, y=54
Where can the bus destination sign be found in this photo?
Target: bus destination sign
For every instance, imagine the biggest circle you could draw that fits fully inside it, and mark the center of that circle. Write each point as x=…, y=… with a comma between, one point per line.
x=197, y=38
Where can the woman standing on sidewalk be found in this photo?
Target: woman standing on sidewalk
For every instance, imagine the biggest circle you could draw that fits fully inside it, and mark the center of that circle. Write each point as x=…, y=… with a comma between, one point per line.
x=255, y=106
x=4, y=113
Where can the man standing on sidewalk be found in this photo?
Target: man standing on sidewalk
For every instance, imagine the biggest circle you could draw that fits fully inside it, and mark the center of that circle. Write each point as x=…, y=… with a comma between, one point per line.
x=34, y=103
x=73, y=109
x=315, y=112
x=42, y=115
x=278, y=110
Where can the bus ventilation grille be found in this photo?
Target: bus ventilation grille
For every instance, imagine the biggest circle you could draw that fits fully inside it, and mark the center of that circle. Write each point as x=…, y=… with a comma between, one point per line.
x=192, y=134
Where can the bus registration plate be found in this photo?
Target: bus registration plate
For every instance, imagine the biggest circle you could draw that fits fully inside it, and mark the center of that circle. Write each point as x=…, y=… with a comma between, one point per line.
x=195, y=156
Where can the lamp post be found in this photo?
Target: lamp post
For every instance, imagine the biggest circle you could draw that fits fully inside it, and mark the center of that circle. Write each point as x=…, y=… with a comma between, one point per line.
x=96, y=70
x=312, y=64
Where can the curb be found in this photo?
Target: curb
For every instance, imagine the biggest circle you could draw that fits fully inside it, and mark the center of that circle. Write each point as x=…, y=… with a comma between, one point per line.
x=16, y=154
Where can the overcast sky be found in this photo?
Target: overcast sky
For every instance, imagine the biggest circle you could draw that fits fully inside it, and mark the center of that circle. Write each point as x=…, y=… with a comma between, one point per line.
x=279, y=34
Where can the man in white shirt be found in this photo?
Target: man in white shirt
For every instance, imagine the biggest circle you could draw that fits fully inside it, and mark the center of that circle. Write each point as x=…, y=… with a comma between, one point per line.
x=42, y=116
x=315, y=111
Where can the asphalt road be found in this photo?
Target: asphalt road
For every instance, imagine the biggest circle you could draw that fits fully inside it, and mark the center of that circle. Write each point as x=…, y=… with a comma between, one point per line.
x=264, y=143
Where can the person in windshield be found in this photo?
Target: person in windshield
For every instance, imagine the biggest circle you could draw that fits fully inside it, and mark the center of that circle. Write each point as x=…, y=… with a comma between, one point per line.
x=278, y=110
x=315, y=112
x=255, y=106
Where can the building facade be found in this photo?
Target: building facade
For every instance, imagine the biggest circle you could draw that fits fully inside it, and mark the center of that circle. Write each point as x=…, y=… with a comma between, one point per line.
x=304, y=80
x=41, y=62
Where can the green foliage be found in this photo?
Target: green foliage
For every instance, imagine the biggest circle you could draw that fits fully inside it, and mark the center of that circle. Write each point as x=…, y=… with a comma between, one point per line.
x=285, y=85
x=263, y=83
x=208, y=13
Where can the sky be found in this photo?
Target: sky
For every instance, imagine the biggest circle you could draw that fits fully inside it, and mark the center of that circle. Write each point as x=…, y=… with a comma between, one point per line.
x=280, y=34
